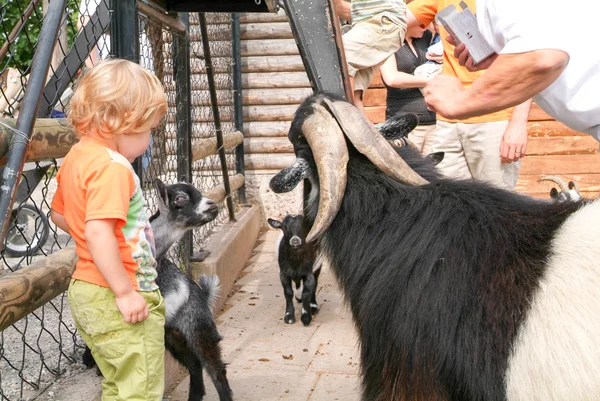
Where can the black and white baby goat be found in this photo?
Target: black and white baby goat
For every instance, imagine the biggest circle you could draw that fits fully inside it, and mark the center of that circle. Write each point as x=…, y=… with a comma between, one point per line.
x=297, y=264
x=191, y=334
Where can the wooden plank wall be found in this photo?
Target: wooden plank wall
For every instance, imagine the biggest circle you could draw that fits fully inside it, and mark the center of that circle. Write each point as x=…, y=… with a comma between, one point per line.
x=275, y=83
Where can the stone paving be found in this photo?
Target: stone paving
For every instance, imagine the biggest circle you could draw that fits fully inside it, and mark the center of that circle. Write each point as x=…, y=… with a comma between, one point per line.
x=271, y=360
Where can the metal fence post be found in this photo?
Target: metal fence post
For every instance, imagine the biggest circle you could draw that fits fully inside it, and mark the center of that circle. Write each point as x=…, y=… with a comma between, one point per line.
x=238, y=100
x=183, y=117
x=215, y=110
x=125, y=42
x=15, y=159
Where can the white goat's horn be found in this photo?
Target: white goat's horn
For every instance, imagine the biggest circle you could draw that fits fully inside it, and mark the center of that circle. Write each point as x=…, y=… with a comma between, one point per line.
x=330, y=152
x=558, y=180
x=368, y=141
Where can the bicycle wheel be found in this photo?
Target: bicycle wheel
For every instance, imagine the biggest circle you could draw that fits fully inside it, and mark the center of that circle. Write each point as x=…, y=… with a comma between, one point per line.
x=27, y=231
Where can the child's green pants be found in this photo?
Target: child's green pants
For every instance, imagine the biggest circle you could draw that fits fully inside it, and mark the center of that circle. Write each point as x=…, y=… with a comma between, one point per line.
x=130, y=356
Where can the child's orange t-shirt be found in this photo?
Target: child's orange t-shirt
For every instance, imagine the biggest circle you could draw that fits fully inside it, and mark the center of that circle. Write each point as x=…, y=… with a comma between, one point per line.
x=95, y=183
x=425, y=11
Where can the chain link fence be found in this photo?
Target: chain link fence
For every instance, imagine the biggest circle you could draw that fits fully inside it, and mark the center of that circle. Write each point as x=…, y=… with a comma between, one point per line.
x=44, y=345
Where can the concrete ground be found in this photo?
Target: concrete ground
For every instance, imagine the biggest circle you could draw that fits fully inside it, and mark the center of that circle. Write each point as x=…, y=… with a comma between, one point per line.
x=270, y=360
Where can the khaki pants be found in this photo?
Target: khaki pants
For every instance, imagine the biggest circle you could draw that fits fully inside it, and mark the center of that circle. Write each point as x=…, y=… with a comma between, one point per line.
x=130, y=356
x=472, y=151
x=368, y=44
x=422, y=138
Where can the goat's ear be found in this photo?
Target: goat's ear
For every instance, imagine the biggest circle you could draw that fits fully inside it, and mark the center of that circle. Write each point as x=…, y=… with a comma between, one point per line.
x=162, y=192
x=436, y=157
x=571, y=185
x=554, y=193
x=274, y=223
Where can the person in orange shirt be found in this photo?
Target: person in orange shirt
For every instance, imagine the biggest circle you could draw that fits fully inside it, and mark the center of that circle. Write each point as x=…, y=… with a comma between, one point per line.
x=117, y=307
x=487, y=148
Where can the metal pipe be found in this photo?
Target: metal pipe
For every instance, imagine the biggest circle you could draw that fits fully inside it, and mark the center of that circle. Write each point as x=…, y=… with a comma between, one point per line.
x=183, y=117
x=238, y=106
x=15, y=158
x=215, y=109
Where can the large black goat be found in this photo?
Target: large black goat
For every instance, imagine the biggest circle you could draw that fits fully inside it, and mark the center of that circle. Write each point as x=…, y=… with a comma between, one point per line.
x=459, y=290
x=191, y=334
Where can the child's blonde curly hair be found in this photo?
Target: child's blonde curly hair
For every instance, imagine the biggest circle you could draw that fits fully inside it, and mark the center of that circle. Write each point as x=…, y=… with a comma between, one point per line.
x=116, y=97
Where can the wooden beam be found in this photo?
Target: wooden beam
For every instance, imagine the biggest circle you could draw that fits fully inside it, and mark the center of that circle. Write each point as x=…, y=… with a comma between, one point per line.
x=265, y=161
x=205, y=147
x=529, y=183
x=275, y=80
x=283, y=63
x=270, y=112
x=560, y=164
x=273, y=30
x=271, y=47
x=51, y=139
x=266, y=128
x=267, y=145
x=25, y=290
x=549, y=128
x=275, y=96
x=263, y=17
x=561, y=145
x=218, y=193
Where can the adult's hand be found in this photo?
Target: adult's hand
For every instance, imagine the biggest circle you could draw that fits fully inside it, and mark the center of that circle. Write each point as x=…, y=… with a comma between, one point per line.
x=514, y=143
x=442, y=95
x=464, y=57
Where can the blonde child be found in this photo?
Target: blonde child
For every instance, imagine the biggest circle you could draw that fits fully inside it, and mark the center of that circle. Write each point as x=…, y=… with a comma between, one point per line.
x=115, y=302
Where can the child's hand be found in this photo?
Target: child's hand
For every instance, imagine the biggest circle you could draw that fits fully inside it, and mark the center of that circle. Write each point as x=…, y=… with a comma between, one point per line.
x=133, y=307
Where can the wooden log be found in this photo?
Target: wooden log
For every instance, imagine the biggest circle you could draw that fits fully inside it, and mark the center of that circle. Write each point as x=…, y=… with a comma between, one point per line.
x=267, y=145
x=218, y=193
x=375, y=114
x=200, y=130
x=529, y=183
x=200, y=82
x=265, y=161
x=273, y=30
x=25, y=290
x=275, y=80
x=271, y=47
x=270, y=112
x=266, y=128
x=561, y=145
x=561, y=164
x=204, y=114
x=283, y=63
x=550, y=128
x=52, y=138
x=275, y=96
x=205, y=147
x=279, y=16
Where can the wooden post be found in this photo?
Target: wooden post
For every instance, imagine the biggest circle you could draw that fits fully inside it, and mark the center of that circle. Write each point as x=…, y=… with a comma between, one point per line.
x=51, y=138
x=25, y=290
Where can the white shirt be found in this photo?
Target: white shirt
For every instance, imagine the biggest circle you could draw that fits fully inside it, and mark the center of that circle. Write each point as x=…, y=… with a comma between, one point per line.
x=518, y=26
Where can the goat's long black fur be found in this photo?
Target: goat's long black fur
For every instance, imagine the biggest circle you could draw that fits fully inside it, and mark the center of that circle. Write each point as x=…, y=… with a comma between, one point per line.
x=438, y=278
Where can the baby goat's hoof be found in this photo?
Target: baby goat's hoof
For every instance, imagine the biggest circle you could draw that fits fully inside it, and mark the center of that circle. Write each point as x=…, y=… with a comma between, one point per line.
x=289, y=318
x=306, y=318
x=314, y=309
x=299, y=300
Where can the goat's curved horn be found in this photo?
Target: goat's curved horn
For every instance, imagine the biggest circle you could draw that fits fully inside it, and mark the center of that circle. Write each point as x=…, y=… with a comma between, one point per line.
x=558, y=180
x=288, y=178
x=329, y=149
x=368, y=141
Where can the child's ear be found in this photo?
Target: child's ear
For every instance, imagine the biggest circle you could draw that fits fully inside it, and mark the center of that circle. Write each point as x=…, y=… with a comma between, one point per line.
x=274, y=223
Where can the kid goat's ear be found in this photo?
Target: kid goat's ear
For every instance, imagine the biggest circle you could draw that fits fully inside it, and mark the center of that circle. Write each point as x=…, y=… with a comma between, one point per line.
x=274, y=223
x=162, y=191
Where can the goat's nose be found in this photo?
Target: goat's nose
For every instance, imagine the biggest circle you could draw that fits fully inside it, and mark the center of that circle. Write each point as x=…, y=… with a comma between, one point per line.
x=295, y=241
